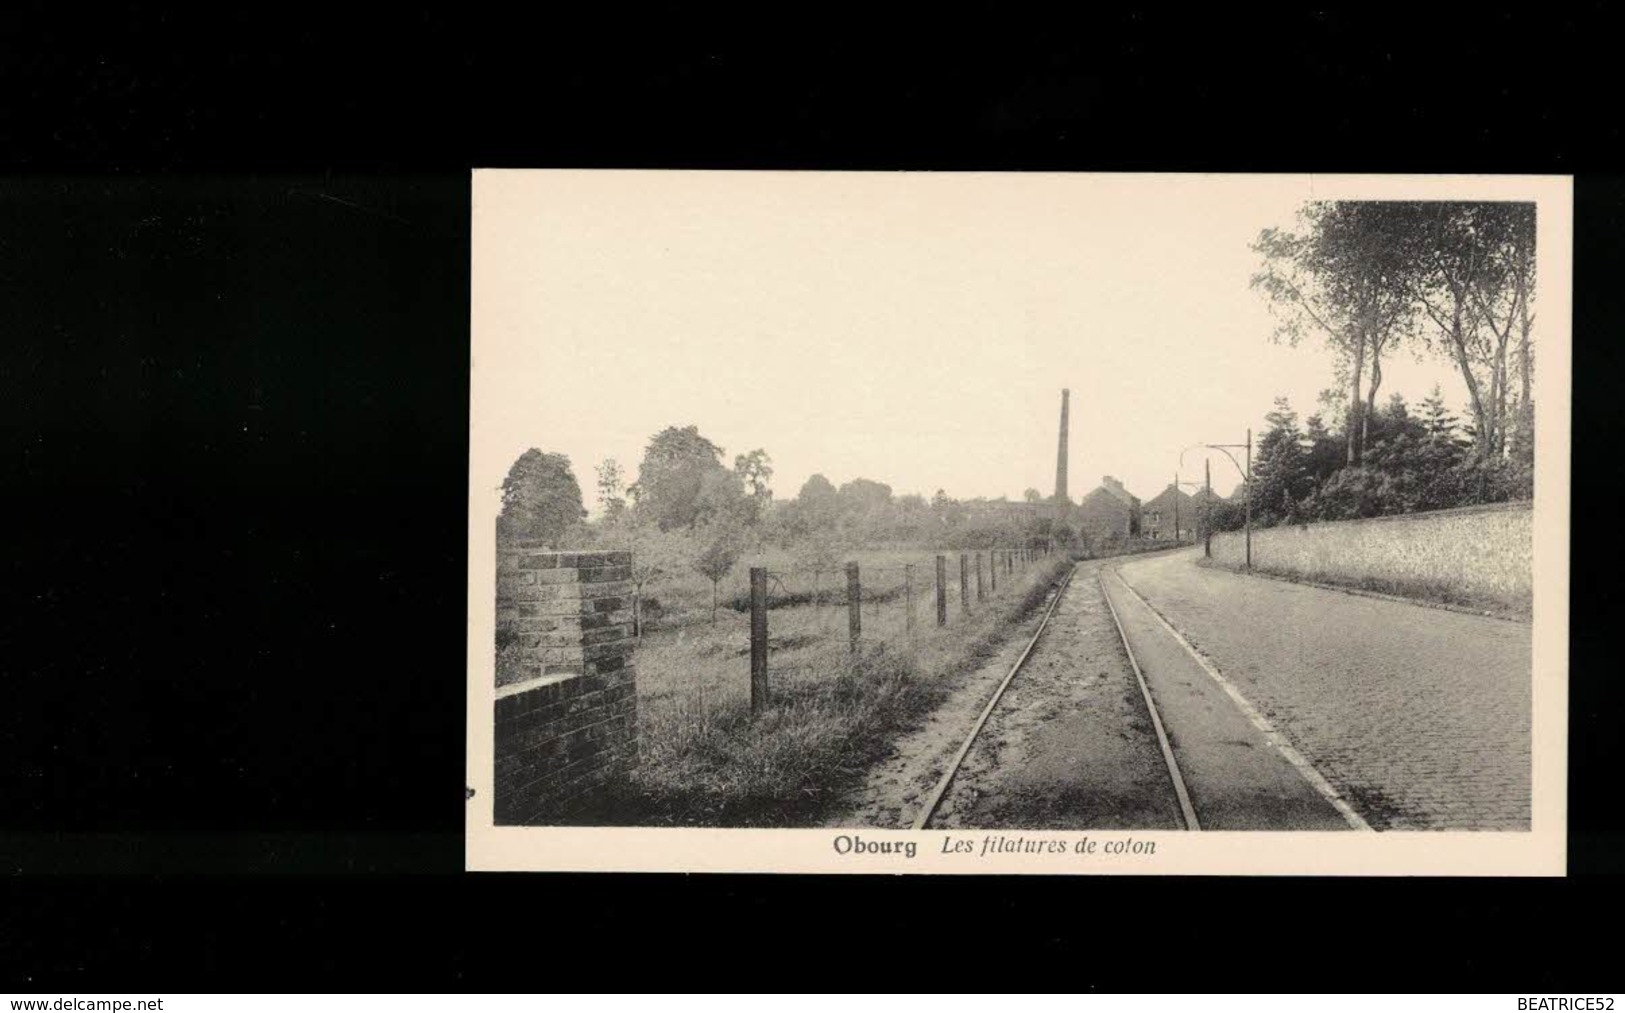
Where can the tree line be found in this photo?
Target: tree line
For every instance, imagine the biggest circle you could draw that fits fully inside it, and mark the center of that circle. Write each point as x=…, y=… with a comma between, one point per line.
x=1448, y=280
x=1415, y=459
x=687, y=511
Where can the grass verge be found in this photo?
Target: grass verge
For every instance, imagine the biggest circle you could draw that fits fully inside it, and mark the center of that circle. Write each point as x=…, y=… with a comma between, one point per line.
x=1417, y=591
x=832, y=716
x=1476, y=559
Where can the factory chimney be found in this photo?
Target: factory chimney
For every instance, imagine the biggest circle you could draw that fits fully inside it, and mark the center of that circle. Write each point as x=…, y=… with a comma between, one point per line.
x=1060, y=451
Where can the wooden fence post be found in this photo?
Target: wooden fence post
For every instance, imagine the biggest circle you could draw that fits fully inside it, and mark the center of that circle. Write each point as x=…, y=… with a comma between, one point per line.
x=964, y=583
x=854, y=606
x=942, y=591
x=908, y=598
x=993, y=569
x=818, y=596
x=981, y=595
x=758, y=638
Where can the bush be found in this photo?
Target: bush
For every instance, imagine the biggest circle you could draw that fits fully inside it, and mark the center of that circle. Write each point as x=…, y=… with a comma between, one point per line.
x=1353, y=493
x=1482, y=481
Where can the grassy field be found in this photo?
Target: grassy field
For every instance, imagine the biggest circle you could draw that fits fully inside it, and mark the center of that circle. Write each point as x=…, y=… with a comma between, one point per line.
x=705, y=760
x=684, y=599
x=1475, y=557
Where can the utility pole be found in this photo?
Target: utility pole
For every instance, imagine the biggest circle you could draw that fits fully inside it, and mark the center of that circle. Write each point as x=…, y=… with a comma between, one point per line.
x=1207, y=509
x=1247, y=484
x=1249, y=498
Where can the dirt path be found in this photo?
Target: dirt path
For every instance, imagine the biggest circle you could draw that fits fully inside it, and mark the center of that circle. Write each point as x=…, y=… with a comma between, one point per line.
x=1069, y=746
x=899, y=786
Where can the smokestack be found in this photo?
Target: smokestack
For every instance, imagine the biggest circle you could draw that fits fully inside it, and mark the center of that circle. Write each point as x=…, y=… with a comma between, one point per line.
x=1060, y=451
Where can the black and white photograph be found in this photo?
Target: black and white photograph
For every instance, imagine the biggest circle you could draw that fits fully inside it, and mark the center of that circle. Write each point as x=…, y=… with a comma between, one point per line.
x=487, y=493
x=1016, y=508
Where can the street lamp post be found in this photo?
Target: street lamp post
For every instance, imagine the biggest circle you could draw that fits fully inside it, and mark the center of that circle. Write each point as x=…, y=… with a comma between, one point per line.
x=1207, y=509
x=1247, y=483
x=1249, y=497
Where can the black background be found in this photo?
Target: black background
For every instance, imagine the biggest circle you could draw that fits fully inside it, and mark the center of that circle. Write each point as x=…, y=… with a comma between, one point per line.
x=234, y=294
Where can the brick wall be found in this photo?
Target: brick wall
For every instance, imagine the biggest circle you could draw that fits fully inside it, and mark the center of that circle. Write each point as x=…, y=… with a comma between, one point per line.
x=566, y=705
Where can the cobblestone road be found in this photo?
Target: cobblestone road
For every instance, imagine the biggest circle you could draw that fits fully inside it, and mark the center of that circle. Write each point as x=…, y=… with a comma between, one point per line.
x=1419, y=717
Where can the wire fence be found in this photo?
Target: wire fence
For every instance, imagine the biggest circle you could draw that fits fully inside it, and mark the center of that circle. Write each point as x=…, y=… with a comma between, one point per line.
x=799, y=624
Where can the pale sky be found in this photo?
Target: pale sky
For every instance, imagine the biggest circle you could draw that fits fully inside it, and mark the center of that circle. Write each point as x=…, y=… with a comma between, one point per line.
x=915, y=329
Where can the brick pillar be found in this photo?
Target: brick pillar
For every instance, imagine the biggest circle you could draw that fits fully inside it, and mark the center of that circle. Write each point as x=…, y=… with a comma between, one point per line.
x=567, y=705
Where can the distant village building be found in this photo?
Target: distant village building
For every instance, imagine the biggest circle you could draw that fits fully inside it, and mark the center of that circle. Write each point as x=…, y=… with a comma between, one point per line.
x=1110, y=510
x=1171, y=506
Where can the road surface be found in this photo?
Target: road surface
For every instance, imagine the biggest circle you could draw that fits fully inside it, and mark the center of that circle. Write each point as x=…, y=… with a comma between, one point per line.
x=1286, y=707
x=1418, y=718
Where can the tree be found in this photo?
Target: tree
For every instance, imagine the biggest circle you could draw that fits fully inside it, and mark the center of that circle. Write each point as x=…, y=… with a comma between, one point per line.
x=1501, y=292
x=1280, y=467
x=1441, y=454
x=1402, y=452
x=1032, y=495
x=540, y=498
x=862, y=494
x=817, y=489
x=1441, y=426
x=722, y=500
x=819, y=503
x=755, y=470
x=1474, y=281
x=611, y=483
x=1522, y=274
x=1347, y=275
x=656, y=555
x=719, y=548
x=1225, y=514
x=865, y=509
x=1324, y=452
x=1355, y=492
x=673, y=475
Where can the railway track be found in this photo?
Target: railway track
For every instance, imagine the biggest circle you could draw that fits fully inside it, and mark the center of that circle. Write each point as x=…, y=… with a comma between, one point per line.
x=934, y=800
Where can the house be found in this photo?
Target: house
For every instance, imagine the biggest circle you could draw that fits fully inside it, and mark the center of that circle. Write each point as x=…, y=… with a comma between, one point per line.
x=1160, y=513
x=1110, y=510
